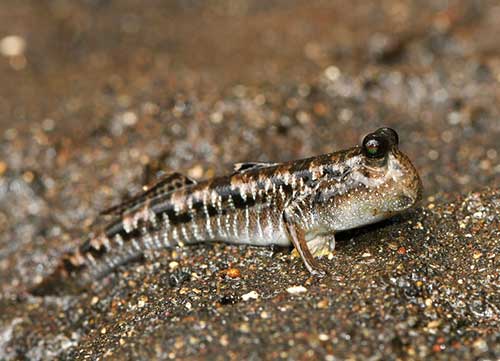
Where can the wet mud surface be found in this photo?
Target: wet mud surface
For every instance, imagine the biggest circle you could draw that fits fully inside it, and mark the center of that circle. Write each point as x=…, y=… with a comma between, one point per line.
x=98, y=96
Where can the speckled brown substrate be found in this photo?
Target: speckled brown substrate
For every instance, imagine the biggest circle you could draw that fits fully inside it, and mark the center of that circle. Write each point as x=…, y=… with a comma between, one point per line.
x=421, y=285
x=106, y=93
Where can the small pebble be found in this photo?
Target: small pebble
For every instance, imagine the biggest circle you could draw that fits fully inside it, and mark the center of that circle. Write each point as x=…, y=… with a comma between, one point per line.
x=252, y=295
x=323, y=337
x=224, y=340
x=294, y=290
x=233, y=273
x=323, y=303
x=12, y=45
x=332, y=73
x=142, y=301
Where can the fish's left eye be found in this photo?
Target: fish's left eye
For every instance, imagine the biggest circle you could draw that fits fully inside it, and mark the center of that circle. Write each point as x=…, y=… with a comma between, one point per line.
x=375, y=146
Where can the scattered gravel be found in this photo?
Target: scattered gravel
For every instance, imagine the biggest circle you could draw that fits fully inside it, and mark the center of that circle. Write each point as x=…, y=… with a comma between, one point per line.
x=98, y=97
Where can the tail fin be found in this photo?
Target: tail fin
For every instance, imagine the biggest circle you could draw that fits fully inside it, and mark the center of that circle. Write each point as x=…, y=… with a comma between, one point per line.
x=76, y=272
x=95, y=258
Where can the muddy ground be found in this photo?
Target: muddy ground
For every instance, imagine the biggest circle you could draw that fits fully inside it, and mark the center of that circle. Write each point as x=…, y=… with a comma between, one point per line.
x=97, y=96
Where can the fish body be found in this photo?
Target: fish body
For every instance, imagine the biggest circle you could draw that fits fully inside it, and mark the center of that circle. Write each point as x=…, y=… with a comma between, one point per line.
x=301, y=203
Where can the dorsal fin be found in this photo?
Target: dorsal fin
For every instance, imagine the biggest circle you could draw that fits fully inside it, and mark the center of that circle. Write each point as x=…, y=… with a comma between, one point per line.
x=166, y=184
x=241, y=167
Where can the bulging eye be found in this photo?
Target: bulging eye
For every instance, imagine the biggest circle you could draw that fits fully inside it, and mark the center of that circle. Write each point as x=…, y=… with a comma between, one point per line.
x=390, y=134
x=375, y=146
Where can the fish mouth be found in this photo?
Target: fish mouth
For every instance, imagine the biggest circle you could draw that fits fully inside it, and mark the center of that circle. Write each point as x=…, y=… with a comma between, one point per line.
x=414, y=191
x=420, y=190
x=420, y=193
x=405, y=201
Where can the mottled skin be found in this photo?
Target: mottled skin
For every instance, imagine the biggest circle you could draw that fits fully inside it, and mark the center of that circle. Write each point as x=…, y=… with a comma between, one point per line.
x=302, y=202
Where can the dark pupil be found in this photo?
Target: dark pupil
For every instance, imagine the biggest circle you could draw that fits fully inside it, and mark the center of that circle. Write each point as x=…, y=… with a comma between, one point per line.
x=372, y=147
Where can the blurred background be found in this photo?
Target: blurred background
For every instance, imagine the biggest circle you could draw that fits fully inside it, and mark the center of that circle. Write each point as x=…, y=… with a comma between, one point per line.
x=96, y=96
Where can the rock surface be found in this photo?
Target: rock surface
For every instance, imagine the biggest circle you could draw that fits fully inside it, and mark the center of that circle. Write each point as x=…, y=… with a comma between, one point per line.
x=98, y=96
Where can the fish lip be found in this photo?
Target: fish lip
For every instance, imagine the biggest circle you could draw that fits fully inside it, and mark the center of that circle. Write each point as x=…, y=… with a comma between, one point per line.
x=419, y=191
x=408, y=200
x=406, y=205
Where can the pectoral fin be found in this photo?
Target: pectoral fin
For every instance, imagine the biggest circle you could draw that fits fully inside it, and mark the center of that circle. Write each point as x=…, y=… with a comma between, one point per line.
x=297, y=237
x=320, y=246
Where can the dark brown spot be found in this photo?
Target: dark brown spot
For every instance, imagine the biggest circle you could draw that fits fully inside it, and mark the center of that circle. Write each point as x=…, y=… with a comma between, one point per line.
x=300, y=165
x=70, y=267
x=332, y=172
x=178, y=218
x=280, y=184
x=199, y=207
x=240, y=202
x=87, y=247
x=118, y=228
x=307, y=177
